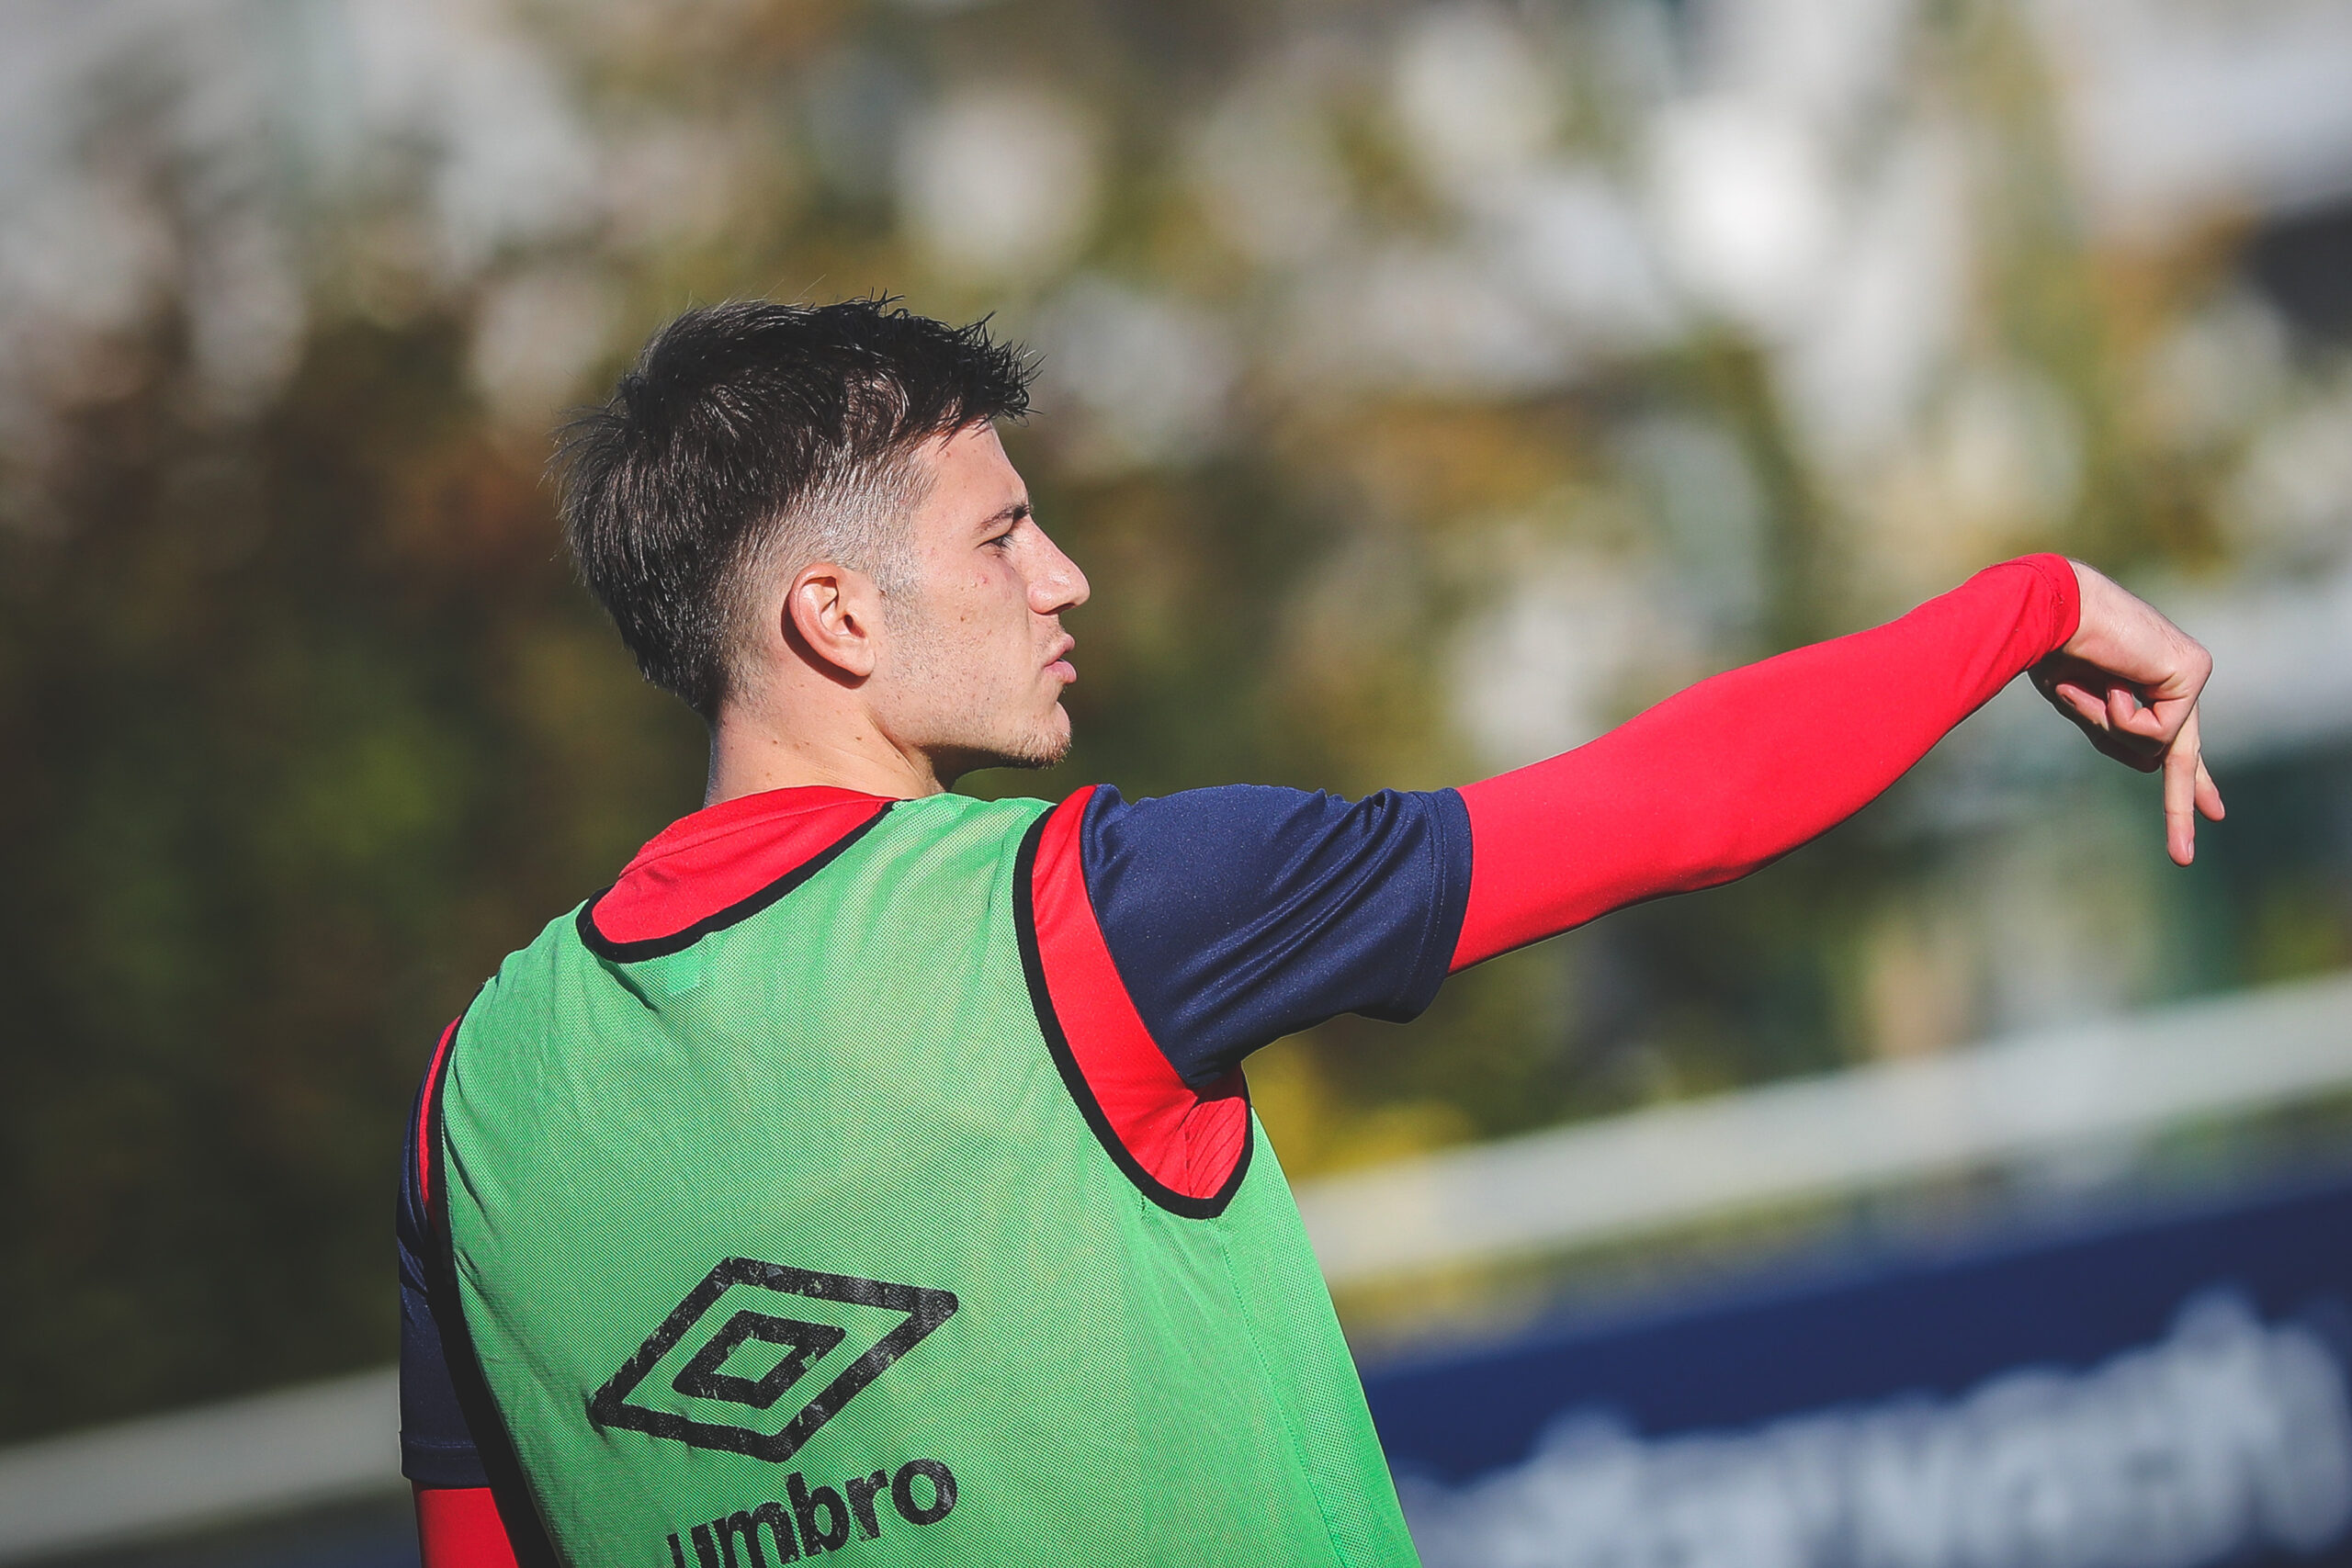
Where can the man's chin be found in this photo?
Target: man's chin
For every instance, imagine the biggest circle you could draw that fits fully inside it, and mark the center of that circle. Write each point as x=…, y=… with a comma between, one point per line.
x=1042, y=748
x=1040, y=751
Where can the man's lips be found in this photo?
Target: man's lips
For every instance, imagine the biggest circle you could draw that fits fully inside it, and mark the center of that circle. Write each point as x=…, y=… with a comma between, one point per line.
x=1059, y=667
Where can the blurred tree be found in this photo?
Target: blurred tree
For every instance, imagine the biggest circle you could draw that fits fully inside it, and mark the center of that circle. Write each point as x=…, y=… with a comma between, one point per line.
x=306, y=728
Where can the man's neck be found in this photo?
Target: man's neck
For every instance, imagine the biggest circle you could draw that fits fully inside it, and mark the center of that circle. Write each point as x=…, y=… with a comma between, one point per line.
x=751, y=752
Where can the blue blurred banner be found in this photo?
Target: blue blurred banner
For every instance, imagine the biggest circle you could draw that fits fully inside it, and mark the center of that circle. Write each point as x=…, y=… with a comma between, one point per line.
x=2154, y=1393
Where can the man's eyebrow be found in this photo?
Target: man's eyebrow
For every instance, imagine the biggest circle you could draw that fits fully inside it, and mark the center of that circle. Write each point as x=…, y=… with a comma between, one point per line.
x=1012, y=513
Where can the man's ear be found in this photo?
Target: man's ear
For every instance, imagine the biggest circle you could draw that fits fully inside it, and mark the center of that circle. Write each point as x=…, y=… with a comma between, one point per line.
x=833, y=615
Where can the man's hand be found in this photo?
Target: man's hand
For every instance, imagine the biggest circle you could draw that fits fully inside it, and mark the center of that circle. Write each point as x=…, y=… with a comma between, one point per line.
x=2129, y=680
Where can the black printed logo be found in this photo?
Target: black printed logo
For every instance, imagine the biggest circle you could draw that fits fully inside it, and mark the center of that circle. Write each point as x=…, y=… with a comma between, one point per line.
x=736, y=1363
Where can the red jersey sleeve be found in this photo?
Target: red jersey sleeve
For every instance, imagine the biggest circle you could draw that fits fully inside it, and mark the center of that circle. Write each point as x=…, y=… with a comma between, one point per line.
x=1734, y=773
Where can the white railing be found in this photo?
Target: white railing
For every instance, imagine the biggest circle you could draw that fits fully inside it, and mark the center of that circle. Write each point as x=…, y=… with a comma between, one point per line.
x=1843, y=1133
x=274, y=1453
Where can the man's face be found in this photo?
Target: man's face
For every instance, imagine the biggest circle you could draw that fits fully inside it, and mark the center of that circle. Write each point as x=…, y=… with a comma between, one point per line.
x=974, y=661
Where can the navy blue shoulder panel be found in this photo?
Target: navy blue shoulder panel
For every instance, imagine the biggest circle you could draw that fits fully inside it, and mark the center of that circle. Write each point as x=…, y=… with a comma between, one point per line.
x=436, y=1447
x=1241, y=914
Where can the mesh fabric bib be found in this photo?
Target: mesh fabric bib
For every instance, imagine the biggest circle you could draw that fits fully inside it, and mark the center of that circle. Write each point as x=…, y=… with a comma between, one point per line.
x=801, y=1231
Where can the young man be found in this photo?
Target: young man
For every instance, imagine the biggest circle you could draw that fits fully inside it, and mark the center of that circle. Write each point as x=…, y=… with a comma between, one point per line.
x=869, y=1168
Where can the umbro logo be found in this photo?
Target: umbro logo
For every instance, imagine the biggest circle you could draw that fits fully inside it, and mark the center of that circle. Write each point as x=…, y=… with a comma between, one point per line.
x=747, y=1352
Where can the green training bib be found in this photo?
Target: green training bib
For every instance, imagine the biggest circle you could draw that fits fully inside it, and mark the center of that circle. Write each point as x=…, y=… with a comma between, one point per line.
x=788, y=1236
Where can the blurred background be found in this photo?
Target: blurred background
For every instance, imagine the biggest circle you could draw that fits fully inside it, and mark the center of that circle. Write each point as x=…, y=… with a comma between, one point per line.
x=1427, y=388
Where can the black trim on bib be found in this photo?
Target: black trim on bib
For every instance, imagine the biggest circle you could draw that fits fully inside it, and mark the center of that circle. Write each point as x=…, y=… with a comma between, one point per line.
x=508, y=1487
x=1033, y=966
x=742, y=909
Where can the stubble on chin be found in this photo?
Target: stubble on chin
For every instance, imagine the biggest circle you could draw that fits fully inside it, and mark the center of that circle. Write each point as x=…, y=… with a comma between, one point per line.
x=1043, y=747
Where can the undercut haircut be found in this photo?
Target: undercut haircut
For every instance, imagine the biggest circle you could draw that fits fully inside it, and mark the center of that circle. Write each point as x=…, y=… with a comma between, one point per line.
x=750, y=439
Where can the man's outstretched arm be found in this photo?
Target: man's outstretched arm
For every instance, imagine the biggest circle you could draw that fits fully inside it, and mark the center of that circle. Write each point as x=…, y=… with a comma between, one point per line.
x=1736, y=772
x=1239, y=915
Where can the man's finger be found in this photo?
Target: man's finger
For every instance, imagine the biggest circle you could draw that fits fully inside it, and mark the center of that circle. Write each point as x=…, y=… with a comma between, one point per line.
x=2075, y=690
x=2143, y=753
x=2154, y=720
x=2149, y=723
x=2183, y=765
x=2080, y=704
x=2100, y=703
x=2088, y=714
x=2209, y=795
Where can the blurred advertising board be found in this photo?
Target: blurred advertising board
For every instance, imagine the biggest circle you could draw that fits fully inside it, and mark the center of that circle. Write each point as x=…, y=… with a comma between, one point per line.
x=2156, y=1391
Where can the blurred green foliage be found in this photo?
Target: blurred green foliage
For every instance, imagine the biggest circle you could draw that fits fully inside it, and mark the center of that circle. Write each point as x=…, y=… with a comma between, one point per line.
x=306, y=725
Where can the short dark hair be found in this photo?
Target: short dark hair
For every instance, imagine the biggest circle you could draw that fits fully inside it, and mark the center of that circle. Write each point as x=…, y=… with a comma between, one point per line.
x=752, y=429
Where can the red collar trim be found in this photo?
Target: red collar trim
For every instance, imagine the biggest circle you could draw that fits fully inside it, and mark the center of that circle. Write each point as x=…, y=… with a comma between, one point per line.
x=700, y=867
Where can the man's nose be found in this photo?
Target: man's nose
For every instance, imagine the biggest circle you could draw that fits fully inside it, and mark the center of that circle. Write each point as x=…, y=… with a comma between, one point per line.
x=1058, y=585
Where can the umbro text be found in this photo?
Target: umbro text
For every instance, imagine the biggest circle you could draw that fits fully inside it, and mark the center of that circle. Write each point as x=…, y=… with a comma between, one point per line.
x=820, y=1518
